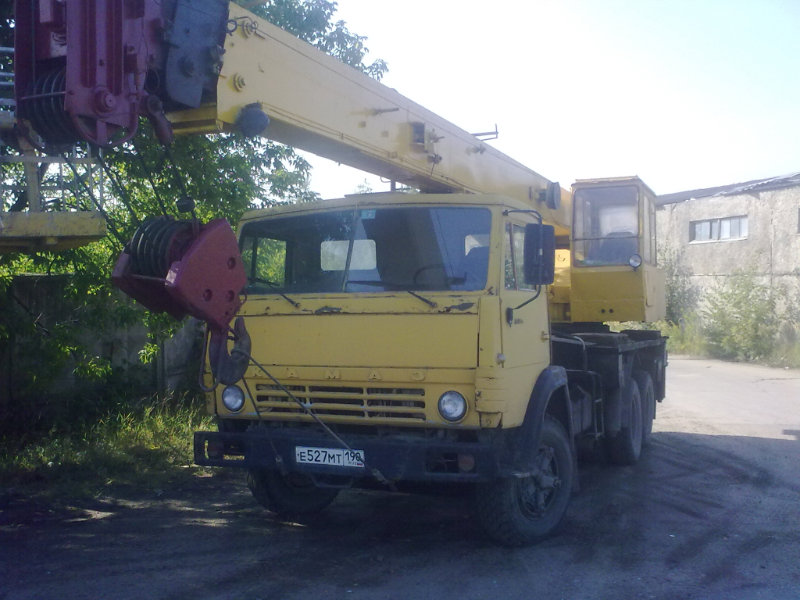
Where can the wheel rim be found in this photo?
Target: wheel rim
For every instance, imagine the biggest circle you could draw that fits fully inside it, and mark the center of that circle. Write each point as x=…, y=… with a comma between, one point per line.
x=537, y=493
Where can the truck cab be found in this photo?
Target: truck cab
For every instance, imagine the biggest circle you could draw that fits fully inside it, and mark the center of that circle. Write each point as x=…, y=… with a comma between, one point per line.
x=390, y=311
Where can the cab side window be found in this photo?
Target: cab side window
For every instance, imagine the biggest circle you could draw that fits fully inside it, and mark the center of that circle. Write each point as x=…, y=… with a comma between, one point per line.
x=515, y=257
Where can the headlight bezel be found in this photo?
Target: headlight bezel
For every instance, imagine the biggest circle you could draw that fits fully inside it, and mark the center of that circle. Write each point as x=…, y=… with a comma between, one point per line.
x=233, y=398
x=452, y=406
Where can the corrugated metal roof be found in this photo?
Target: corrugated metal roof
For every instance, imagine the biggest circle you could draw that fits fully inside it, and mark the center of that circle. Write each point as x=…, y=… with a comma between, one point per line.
x=756, y=185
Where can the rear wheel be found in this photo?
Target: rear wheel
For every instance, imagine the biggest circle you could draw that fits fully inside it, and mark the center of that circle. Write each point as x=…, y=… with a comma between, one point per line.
x=626, y=447
x=292, y=495
x=515, y=511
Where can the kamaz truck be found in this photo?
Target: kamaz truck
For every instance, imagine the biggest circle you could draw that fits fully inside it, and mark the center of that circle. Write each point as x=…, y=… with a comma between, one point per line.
x=453, y=331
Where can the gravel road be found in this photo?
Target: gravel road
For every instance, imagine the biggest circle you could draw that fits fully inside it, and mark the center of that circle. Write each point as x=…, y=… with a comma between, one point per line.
x=711, y=511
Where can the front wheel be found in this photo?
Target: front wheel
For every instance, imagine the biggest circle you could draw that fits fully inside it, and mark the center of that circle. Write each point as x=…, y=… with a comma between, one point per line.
x=516, y=511
x=292, y=495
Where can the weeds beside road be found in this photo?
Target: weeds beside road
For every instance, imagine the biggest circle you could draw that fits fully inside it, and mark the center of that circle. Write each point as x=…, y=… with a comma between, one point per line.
x=145, y=447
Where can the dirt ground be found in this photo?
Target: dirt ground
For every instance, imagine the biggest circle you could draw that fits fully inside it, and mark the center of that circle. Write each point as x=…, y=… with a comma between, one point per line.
x=711, y=511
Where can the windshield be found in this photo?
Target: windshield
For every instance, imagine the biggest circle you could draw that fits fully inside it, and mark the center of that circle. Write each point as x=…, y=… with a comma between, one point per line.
x=606, y=225
x=368, y=250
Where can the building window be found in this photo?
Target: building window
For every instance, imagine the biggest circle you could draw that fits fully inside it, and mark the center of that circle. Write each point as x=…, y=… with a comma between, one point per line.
x=713, y=230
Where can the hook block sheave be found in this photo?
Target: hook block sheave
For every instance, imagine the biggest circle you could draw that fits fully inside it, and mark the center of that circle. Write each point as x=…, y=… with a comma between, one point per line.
x=168, y=268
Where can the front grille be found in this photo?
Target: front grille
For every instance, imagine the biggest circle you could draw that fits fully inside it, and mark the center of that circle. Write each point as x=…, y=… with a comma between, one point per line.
x=368, y=403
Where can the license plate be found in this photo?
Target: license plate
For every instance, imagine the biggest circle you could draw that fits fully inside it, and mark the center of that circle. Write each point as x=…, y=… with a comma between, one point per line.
x=337, y=457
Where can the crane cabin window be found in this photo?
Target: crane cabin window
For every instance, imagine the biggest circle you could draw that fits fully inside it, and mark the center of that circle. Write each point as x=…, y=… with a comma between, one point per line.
x=606, y=226
x=380, y=249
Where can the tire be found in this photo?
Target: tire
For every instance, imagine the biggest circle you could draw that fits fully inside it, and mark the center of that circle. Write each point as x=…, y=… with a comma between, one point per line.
x=648, y=397
x=292, y=495
x=517, y=511
x=626, y=447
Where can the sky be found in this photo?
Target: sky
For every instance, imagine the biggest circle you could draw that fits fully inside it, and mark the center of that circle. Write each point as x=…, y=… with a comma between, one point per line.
x=686, y=94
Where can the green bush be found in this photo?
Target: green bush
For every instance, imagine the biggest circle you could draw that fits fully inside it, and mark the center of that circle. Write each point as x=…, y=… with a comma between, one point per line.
x=740, y=318
x=685, y=336
x=681, y=295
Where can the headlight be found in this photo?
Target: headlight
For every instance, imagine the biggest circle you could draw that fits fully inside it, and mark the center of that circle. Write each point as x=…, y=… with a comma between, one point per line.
x=635, y=261
x=233, y=398
x=452, y=406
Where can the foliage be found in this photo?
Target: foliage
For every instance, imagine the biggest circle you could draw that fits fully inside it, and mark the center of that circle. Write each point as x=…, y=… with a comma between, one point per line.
x=270, y=260
x=686, y=336
x=741, y=321
x=681, y=296
x=312, y=21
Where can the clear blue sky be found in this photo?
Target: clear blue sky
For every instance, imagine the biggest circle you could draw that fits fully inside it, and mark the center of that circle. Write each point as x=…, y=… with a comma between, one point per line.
x=685, y=94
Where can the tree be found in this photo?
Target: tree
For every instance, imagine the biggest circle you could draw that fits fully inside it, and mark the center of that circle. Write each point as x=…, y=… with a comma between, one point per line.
x=225, y=174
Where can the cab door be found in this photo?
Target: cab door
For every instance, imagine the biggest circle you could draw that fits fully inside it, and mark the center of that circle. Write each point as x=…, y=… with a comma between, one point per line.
x=525, y=326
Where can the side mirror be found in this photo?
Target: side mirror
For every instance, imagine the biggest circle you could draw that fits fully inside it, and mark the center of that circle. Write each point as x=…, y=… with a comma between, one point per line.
x=540, y=254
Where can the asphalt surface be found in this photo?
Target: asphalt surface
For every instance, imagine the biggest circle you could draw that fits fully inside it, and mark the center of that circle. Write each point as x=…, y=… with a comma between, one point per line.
x=711, y=511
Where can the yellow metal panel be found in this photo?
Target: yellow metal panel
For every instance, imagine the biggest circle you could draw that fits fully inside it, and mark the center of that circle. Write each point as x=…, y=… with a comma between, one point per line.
x=382, y=303
x=289, y=374
x=617, y=294
x=559, y=292
x=491, y=395
x=655, y=291
x=526, y=350
x=491, y=344
x=33, y=231
x=345, y=340
x=196, y=120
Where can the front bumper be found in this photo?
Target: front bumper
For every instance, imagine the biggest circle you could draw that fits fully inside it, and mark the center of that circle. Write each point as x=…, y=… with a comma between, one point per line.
x=395, y=458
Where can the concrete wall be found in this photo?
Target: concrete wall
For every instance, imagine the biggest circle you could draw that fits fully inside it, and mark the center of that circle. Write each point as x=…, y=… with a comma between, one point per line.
x=771, y=249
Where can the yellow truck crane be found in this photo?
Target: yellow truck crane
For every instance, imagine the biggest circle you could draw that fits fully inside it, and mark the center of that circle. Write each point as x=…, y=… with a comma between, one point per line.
x=452, y=336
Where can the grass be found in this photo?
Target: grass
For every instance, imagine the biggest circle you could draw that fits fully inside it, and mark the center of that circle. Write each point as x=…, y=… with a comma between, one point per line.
x=146, y=448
